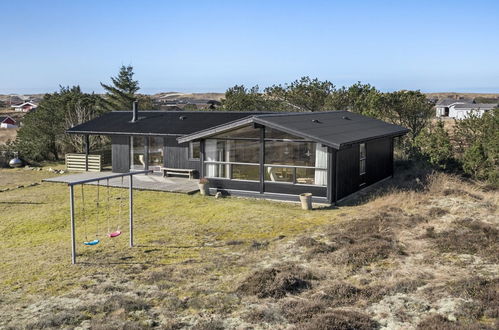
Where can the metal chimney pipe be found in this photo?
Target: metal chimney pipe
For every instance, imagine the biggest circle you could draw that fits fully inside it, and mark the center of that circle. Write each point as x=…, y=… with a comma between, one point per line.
x=135, y=110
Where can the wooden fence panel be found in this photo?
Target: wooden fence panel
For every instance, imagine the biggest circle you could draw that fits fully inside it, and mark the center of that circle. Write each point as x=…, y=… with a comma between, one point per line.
x=76, y=162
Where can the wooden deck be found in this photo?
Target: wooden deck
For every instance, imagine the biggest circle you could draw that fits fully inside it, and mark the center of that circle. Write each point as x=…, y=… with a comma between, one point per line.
x=142, y=182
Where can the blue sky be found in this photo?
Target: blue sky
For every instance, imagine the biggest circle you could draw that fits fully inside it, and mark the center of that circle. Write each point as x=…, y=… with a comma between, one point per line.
x=196, y=46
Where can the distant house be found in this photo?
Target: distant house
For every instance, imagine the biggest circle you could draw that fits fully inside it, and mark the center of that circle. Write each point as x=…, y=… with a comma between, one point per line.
x=461, y=108
x=25, y=107
x=7, y=122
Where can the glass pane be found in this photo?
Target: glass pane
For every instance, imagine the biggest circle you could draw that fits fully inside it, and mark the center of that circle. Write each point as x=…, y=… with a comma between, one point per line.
x=242, y=151
x=247, y=132
x=245, y=172
x=216, y=170
x=290, y=153
x=138, y=149
x=155, y=152
x=271, y=133
x=305, y=175
x=362, y=149
x=362, y=166
x=278, y=174
x=195, y=150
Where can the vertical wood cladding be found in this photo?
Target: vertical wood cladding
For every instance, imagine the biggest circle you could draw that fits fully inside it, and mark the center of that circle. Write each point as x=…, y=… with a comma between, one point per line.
x=120, y=153
x=378, y=160
x=379, y=165
x=348, y=171
x=177, y=155
x=331, y=175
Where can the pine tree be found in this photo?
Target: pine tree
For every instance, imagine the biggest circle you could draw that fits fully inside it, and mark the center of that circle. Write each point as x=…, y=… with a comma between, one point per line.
x=121, y=93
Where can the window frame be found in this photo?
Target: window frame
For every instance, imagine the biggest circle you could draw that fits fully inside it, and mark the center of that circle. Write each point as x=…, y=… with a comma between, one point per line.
x=362, y=159
x=191, y=150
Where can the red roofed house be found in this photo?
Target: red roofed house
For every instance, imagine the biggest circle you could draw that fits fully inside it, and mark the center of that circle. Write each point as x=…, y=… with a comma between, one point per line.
x=7, y=122
x=25, y=107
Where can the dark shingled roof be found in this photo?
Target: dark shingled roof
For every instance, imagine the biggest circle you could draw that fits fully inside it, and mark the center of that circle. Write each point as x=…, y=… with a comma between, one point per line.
x=156, y=122
x=448, y=101
x=3, y=118
x=335, y=129
x=476, y=106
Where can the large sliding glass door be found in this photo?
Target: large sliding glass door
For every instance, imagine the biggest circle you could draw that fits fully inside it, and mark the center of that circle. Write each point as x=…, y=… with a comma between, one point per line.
x=146, y=152
x=137, y=153
x=155, y=153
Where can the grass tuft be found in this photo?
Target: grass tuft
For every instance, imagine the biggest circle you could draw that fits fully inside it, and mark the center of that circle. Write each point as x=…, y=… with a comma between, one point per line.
x=277, y=282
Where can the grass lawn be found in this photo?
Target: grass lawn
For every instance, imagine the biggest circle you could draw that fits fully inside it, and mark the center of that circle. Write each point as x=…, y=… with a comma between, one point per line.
x=169, y=229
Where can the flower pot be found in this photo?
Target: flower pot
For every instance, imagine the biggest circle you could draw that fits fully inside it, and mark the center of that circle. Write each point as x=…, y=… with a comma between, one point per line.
x=306, y=201
x=204, y=189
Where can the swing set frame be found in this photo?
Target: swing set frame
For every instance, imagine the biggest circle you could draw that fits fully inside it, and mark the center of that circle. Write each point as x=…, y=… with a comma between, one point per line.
x=130, y=204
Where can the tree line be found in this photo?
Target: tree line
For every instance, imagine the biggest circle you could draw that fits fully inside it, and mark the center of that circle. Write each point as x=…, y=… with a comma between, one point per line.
x=471, y=147
x=42, y=135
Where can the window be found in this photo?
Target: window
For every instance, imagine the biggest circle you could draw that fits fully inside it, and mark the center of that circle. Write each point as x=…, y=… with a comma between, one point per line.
x=271, y=134
x=155, y=155
x=246, y=132
x=296, y=162
x=362, y=157
x=138, y=151
x=232, y=159
x=194, y=150
x=288, y=159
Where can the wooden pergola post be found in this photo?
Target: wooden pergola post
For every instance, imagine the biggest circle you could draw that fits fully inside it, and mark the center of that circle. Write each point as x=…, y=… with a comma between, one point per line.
x=87, y=151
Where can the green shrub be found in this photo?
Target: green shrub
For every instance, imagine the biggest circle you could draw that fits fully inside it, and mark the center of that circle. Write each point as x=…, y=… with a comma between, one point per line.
x=435, y=144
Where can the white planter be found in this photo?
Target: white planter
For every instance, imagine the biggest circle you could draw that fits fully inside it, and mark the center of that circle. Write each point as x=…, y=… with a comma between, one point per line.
x=204, y=189
x=306, y=201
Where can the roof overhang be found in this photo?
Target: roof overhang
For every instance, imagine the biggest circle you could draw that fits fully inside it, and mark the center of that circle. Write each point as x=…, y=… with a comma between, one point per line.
x=118, y=133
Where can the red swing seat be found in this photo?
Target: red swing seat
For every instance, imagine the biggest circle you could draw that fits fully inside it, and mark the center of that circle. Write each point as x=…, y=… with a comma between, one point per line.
x=114, y=234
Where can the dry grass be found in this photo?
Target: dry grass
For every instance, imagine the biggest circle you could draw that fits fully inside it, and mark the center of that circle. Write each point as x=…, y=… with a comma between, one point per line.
x=419, y=251
x=7, y=134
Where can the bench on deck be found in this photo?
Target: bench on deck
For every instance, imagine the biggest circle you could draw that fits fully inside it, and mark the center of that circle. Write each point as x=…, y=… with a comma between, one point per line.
x=178, y=171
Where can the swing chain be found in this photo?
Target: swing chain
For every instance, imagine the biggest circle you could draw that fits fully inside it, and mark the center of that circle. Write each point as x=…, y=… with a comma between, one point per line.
x=83, y=212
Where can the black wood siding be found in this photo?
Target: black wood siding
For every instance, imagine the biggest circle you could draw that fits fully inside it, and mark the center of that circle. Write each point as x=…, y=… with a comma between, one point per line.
x=347, y=166
x=120, y=153
x=378, y=160
x=177, y=155
x=331, y=175
x=294, y=189
x=234, y=184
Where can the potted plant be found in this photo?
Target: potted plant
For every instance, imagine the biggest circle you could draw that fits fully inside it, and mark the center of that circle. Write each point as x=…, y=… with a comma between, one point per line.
x=306, y=201
x=204, y=188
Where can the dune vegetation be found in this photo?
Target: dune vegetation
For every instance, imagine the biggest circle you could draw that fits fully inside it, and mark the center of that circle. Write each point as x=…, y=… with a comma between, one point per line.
x=418, y=251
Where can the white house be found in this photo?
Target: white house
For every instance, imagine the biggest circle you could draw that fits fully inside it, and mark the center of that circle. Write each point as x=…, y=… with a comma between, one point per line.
x=7, y=122
x=462, y=110
x=25, y=107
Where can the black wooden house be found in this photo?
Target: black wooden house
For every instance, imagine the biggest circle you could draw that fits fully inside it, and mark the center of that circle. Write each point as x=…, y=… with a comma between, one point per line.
x=271, y=155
